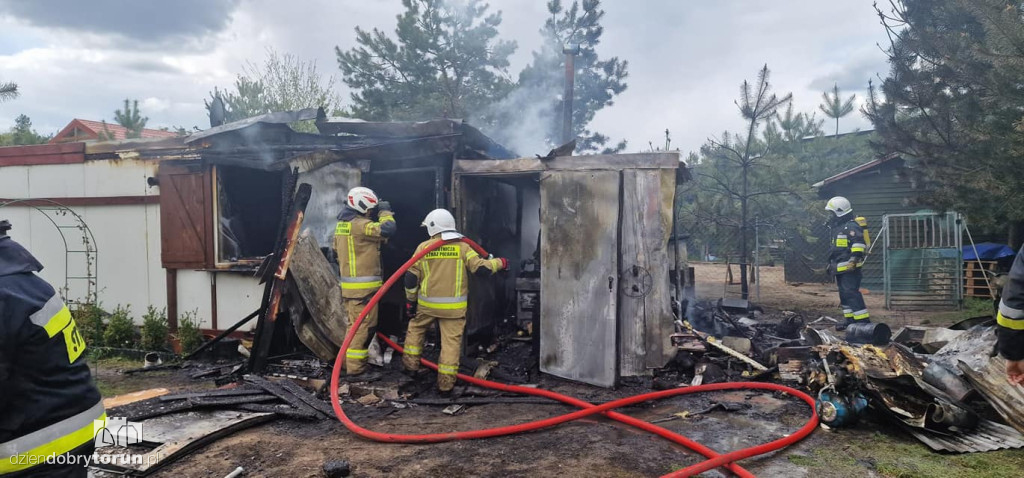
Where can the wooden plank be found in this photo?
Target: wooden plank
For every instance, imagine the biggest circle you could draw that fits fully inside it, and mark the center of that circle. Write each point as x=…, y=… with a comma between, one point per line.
x=611, y=162
x=280, y=392
x=319, y=290
x=579, y=257
x=308, y=398
x=307, y=330
x=133, y=397
x=645, y=314
x=174, y=145
x=40, y=154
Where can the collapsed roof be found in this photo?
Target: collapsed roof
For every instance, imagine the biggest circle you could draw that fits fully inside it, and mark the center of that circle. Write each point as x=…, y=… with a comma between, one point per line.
x=268, y=142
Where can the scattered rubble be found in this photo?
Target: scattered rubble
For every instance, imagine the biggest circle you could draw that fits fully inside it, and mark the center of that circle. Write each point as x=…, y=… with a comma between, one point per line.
x=941, y=385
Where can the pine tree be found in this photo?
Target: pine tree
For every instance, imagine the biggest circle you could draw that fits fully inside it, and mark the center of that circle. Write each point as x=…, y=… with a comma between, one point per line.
x=8, y=91
x=445, y=60
x=22, y=132
x=953, y=104
x=834, y=107
x=597, y=81
x=131, y=119
x=732, y=171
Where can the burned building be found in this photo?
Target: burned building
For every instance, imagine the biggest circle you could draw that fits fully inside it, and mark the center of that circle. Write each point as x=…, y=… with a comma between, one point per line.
x=587, y=235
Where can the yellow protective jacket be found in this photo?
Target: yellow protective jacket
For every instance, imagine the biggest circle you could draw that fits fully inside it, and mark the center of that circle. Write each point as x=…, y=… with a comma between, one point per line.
x=438, y=282
x=357, y=241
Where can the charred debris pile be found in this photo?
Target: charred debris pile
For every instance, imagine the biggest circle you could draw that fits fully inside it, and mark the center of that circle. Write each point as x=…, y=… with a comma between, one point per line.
x=944, y=386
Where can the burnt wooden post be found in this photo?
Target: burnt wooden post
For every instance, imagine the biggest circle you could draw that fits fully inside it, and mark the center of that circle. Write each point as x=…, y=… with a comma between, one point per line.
x=275, y=287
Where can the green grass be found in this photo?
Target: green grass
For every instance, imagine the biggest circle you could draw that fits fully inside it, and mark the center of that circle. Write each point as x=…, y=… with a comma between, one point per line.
x=111, y=386
x=899, y=457
x=973, y=307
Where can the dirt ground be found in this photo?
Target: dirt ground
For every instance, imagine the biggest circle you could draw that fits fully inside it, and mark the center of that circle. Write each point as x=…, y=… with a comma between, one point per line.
x=820, y=299
x=594, y=447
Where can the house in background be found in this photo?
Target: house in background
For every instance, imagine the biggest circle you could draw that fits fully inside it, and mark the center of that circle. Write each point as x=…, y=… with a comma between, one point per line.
x=915, y=255
x=87, y=130
x=89, y=213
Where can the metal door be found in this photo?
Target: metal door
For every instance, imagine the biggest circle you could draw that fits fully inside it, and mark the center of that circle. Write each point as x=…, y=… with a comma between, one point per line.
x=579, y=275
x=923, y=260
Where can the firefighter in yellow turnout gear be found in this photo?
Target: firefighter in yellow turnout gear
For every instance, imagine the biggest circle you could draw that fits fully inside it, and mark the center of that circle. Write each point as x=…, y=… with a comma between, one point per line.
x=437, y=289
x=357, y=241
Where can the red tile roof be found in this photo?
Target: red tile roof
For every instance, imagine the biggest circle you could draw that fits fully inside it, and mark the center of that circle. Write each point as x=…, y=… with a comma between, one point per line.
x=90, y=130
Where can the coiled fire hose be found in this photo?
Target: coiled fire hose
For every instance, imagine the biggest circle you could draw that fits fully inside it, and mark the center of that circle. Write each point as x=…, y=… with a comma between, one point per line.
x=714, y=459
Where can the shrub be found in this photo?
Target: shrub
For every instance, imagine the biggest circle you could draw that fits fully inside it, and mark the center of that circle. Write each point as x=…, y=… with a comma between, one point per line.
x=120, y=331
x=89, y=321
x=189, y=335
x=154, y=329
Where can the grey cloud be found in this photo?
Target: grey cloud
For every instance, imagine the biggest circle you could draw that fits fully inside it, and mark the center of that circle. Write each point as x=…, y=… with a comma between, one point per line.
x=853, y=76
x=141, y=65
x=143, y=23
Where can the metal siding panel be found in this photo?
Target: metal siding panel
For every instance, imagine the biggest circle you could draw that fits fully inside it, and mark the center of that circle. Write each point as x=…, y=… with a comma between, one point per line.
x=645, y=314
x=579, y=257
x=330, y=189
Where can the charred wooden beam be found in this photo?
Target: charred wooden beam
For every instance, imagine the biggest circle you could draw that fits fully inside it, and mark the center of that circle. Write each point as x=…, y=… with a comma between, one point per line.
x=279, y=410
x=308, y=398
x=280, y=392
x=230, y=392
x=265, y=328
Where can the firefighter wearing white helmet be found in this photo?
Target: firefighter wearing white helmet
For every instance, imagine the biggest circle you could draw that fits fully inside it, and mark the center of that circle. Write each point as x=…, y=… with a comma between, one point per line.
x=437, y=289
x=846, y=256
x=357, y=240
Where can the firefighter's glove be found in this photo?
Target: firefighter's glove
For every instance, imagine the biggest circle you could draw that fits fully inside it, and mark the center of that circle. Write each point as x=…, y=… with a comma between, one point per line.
x=410, y=310
x=504, y=263
x=384, y=206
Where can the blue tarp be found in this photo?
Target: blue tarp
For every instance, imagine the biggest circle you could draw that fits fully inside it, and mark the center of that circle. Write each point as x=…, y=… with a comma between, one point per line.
x=989, y=251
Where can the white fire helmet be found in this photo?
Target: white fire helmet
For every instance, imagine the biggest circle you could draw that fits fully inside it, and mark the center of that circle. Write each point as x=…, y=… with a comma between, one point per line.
x=362, y=199
x=440, y=221
x=839, y=206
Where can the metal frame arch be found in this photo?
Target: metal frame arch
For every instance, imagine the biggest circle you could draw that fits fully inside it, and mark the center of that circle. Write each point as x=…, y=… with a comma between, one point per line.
x=88, y=240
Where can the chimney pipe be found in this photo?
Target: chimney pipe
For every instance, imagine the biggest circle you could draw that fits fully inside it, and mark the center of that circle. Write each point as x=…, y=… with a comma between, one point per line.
x=570, y=50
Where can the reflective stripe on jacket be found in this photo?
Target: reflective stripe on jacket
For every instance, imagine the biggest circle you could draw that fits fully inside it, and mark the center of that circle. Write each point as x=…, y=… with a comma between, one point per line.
x=56, y=439
x=442, y=286
x=848, y=247
x=47, y=399
x=1010, y=316
x=357, y=243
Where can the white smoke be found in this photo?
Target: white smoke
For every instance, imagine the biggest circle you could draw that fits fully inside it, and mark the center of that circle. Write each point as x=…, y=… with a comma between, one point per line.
x=522, y=121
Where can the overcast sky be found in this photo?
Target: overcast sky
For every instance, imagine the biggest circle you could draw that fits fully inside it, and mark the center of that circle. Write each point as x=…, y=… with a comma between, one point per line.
x=686, y=58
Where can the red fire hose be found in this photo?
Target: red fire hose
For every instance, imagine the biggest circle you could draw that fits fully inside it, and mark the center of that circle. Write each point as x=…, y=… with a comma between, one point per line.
x=714, y=459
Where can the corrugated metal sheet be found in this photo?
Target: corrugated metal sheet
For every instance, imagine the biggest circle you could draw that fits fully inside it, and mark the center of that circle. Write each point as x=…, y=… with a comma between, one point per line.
x=992, y=384
x=989, y=436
